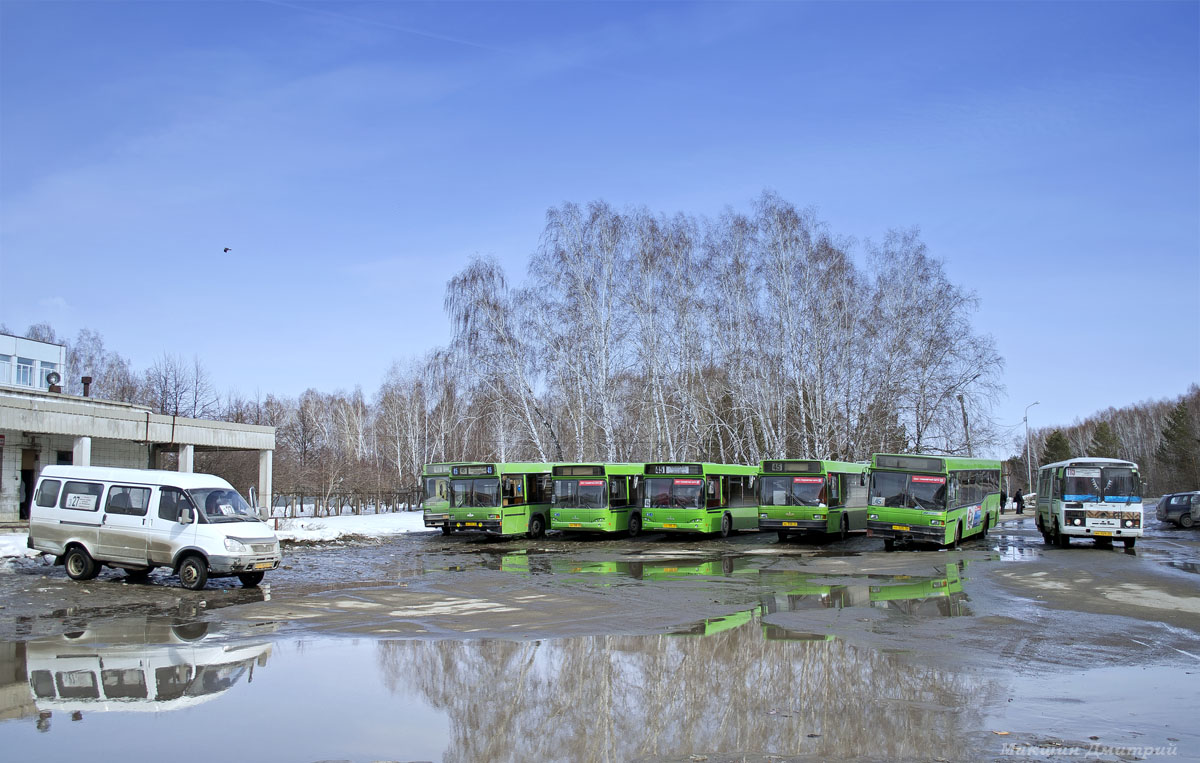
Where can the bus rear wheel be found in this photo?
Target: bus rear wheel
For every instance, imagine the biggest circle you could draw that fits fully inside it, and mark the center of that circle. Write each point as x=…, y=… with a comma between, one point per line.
x=635, y=525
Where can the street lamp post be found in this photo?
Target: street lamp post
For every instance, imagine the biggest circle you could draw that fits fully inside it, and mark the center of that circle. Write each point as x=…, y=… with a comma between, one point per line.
x=1028, y=458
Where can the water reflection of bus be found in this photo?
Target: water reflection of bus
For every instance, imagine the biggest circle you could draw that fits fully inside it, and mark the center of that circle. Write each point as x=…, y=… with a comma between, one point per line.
x=435, y=503
x=499, y=499
x=811, y=496
x=925, y=596
x=1097, y=498
x=699, y=498
x=932, y=499
x=157, y=669
x=596, y=498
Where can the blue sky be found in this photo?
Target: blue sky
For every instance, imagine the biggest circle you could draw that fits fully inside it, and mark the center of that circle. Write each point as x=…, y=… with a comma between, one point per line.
x=354, y=155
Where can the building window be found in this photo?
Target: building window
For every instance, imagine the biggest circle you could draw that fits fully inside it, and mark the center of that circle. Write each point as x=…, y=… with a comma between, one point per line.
x=5, y=369
x=45, y=368
x=24, y=372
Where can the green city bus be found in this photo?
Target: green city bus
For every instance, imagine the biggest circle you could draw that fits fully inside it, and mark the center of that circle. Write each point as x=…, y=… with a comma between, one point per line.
x=499, y=499
x=435, y=505
x=699, y=498
x=810, y=496
x=932, y=499
x=596, y=498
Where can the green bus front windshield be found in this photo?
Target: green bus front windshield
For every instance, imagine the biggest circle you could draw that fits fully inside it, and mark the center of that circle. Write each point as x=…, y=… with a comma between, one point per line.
x=579, y=494
x=482, y=493
x=1115, y=484
x=675, y=493
x=792, y=491
x=908, y=491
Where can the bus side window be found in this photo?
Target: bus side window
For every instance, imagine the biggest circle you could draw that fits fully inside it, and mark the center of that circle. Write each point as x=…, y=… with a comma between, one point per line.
x=714, y=491
x=618, y=495
x=835, y=490
x=1055, y=489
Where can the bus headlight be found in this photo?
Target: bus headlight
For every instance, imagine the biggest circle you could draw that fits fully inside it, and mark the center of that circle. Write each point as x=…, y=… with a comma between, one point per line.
x=493, y=516
x=762, y=516
x=1129, y=523
x=1078, y=522
x=936, y=522
x=872, y=516
x=818, y=516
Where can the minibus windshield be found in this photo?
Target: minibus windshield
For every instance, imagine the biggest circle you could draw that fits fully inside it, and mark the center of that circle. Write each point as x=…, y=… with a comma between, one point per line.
x=222, y=504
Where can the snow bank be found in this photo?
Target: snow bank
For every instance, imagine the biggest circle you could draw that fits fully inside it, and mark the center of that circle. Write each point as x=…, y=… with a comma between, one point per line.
x=12, y=545
x=332, y=528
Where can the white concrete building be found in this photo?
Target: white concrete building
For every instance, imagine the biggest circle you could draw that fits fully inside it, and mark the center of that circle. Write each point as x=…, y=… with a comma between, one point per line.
x=25, y=363
x=39, y=427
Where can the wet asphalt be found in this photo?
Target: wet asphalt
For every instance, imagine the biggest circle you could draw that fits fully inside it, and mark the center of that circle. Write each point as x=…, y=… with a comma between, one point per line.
x=655, y=648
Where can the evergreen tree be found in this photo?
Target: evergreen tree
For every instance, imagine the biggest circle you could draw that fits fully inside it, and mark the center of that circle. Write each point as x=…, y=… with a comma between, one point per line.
x=1057, y=448
x=1179, y=450
x=1104, y=443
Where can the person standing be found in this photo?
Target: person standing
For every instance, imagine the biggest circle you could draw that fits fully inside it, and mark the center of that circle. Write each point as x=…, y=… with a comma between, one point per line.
x=1019, y=500
x=1003, y=501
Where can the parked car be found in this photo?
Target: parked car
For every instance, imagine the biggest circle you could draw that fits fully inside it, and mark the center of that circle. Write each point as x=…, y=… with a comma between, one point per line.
x=196, y=525
x=1181, y=508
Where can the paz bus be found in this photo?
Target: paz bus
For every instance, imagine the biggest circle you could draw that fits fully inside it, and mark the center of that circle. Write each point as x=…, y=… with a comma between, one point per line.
x=1097, y=498
x=596, y=498
x=435, y=505
x=810, y=496
x=499, y=499
x=932, y=499
x=699, y=498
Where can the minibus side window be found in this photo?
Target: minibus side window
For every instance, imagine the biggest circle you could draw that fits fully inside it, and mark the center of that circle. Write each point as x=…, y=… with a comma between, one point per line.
x=48, y=493
x=84, y=496
x=171, y=501
x=128, y=500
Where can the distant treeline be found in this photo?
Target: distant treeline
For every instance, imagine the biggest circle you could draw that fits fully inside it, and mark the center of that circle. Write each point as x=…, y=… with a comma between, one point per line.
x=1161, y=436
x=640, y=336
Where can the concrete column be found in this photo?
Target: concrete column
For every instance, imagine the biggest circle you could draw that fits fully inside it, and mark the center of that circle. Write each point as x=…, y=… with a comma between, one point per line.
x=265, y=465
x=187, y=455
x=81, y=454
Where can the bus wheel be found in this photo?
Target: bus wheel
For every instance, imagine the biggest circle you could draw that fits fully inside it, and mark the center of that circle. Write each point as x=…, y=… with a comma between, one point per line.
x=635, y=525
x=987, y=521
x=726, y=525
x=845, y=529
x=957, y=536
x=446, y=530
x=889, y=544
x=537, y=528
x=1130, y=542
x=1061, y=539
x=80, y=564
x=1104, y=542
x=782, y=535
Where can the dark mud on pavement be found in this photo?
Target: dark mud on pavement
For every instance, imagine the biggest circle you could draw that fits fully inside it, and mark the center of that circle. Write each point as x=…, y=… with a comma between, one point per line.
x=432, y=648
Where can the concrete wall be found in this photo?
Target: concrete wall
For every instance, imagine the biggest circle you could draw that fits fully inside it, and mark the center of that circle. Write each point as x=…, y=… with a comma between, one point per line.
x=132, y=455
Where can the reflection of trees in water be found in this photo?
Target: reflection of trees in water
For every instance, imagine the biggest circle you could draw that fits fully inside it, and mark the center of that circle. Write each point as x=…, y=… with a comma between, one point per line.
x=618, y=697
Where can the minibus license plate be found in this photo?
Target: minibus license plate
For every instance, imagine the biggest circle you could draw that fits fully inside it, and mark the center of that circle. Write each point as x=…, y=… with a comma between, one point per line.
x=901, y=527
x=1106, y=533
x=264, y=565
x=791, y=524
x=671, y=527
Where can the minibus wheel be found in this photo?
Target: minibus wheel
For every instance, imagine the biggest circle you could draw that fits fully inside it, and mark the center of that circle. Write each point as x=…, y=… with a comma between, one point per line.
x=1185, y=520
x=251, y=579
x=193, y=573
x=1130, y=542
x=1061, y=539
x=80, y=564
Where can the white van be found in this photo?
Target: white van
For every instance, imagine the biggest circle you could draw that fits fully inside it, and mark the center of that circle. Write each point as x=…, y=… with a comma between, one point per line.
x=140, y=519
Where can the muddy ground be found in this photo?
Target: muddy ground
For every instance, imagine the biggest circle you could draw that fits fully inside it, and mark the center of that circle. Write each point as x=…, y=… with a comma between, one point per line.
x=659, y=648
